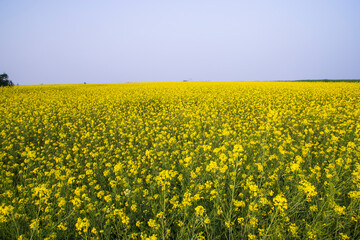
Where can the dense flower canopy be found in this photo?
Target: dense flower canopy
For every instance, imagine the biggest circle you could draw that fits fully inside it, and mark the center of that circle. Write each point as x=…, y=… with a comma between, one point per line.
x=226, y=160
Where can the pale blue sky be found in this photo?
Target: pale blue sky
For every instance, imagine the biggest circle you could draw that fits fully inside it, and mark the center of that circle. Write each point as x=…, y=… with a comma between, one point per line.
x=44, y=41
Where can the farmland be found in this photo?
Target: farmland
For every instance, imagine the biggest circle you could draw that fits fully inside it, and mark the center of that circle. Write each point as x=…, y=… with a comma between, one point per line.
x=189, y=160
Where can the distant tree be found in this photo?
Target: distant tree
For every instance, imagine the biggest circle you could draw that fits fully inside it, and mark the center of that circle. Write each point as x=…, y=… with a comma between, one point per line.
x=4, y=80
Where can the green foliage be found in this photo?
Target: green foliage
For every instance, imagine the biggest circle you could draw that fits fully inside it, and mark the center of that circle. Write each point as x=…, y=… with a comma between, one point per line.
x=4, y=80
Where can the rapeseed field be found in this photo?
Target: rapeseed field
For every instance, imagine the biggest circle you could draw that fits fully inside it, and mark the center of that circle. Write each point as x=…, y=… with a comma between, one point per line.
x=189, y=160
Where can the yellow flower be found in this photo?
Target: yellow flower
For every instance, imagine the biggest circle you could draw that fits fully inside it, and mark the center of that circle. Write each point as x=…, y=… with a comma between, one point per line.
x=124, y=219
x=252, y=236
x=187, y=199
x=253, y=222
x=293, y=229
x=313, y=208
x=34, y=224
x=309, y=189
x=5, y=211
x=180, y=223
x=152, y=223
x=212, y=167
x=133, y=207
x=152, y=237
x=239, y=203
x=339, y=209
x=280, y=202
x=22, y=237
x=160, y=215
x=108, y=198
x=354, y=194
x=344, y=236
x=295, y=167
x=94, y=231
x=82, y=225
x=199, y=211
x=62, y=227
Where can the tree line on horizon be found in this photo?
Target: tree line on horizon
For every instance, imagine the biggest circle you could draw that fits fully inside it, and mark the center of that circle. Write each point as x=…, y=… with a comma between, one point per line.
x=4, y=80
x=329, y=80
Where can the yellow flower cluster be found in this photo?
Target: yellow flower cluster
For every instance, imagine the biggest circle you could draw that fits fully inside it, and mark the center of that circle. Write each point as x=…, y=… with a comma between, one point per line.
x=194, y=160
x=280, y=202
x=82, y=225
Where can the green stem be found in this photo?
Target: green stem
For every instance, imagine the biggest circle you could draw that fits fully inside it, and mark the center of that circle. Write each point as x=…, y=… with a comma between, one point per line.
x=231, y=202
x=16, y=227
x=272, y=221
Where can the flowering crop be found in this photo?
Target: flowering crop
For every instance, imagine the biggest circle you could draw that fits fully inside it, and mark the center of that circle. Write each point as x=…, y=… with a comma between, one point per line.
x=225, y=160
